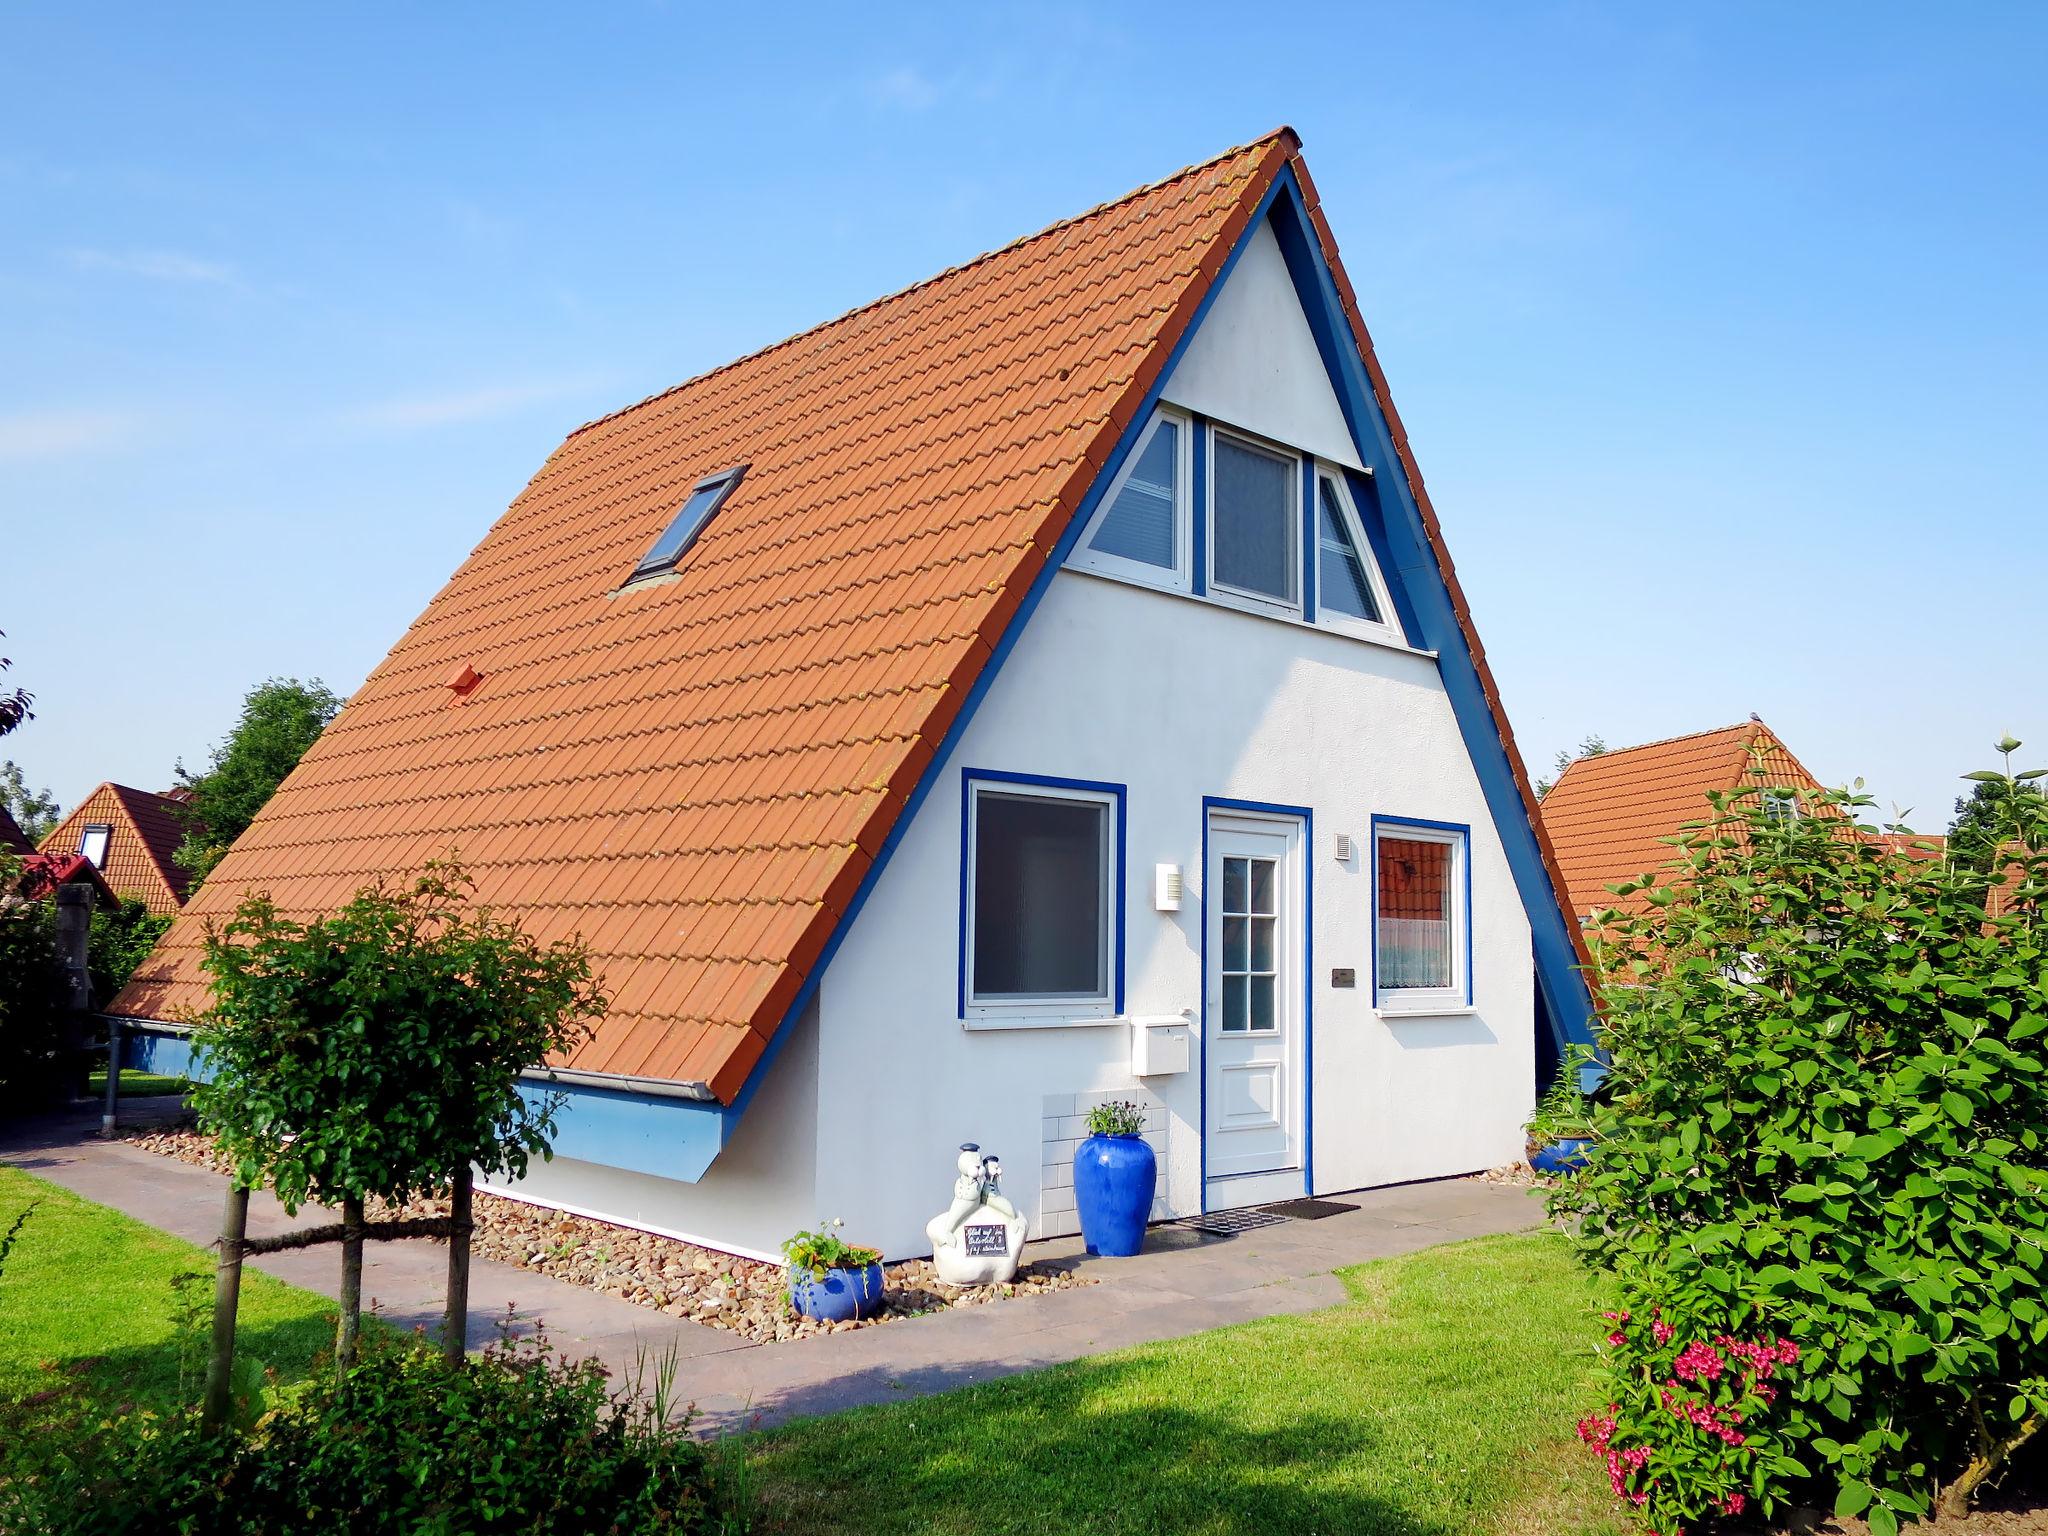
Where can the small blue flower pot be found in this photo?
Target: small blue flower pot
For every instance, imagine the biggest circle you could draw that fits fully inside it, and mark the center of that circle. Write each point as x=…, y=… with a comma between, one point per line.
x=842, y=1294
x=1114, y=1179
x=1565, y=1156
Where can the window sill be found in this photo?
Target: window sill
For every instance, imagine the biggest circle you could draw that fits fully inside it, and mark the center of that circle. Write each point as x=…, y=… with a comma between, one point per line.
x=1044, y=1021
x=1427, y=1011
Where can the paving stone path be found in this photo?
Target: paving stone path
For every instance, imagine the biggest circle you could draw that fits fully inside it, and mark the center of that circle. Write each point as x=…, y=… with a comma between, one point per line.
x=1183, y=1283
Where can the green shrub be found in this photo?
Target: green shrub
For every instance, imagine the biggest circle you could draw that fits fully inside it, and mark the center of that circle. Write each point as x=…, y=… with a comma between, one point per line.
x=121, y=939
x=31, y=992
x=1826, y=1121
x=516, y=1440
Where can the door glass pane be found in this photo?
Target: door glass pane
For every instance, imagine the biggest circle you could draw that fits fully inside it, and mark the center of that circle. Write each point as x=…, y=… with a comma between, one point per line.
x=1253, y=533
x=1415, y=913
x=1041, y=898
x=1139, y=524
x=1249, y=959
x=1341, y=583
x=1234, y=885
x=1233, y=1004
x=1262, y=1002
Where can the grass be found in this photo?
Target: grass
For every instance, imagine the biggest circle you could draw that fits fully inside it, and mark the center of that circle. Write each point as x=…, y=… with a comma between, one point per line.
x=1437, y=1402
x=91, y=1292
x=134, y=1082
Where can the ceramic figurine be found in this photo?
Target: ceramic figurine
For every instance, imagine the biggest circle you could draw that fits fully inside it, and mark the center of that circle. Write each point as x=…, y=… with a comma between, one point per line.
x=980, y=1237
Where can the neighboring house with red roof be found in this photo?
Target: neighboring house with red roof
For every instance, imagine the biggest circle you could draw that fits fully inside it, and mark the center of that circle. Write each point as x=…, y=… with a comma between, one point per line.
x=1612, y=817
x=128, y=835
x=1046, y=684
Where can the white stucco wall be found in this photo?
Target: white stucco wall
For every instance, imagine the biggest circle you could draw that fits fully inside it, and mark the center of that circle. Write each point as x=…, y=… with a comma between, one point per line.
x=1200, y=700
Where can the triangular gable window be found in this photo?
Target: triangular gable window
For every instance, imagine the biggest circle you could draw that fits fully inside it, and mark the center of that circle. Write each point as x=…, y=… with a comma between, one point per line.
x=705, y=498
x=1141, y=531
x=1349, y=593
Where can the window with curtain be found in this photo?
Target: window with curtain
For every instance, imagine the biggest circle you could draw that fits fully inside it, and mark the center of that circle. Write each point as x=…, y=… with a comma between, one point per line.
x=1341, y=582
x=1419, y=906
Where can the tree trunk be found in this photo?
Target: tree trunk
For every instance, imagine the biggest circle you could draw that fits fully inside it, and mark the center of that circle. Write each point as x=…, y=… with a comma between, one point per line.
x=348, y=1327
x=1954, y=1503
x=227, y=1298
x=455, y=1326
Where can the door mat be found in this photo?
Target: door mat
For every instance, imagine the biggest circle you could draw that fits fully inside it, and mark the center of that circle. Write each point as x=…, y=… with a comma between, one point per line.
x=1308, y=1210
x=1230, y=1223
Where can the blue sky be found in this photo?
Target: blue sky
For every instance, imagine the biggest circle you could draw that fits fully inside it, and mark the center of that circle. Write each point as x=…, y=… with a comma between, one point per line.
x=1718, y=330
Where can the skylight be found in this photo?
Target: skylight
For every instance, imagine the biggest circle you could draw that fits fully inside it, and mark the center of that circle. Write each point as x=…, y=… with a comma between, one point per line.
x=705, y=498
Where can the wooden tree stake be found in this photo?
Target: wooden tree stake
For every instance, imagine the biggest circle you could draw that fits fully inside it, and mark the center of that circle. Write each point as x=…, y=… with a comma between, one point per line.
x=227, y=1299
x=455, y=1326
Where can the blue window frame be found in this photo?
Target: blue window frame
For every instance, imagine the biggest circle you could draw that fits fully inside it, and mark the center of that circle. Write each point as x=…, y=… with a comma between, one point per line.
x=1041, y=898
x=1422, y=914
x=704, y=500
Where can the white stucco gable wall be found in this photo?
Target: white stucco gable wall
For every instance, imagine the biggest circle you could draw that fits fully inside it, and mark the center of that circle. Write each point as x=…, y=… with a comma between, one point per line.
x=1254, y=362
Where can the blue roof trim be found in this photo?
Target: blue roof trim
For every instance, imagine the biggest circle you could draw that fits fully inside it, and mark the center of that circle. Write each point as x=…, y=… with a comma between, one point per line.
x=1423, y=599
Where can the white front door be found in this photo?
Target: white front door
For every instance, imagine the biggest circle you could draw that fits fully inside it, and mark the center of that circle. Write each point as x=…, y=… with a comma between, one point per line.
x=1253, y=906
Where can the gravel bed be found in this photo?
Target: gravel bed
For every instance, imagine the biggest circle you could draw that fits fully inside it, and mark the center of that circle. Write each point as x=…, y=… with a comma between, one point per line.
x=663, y=1274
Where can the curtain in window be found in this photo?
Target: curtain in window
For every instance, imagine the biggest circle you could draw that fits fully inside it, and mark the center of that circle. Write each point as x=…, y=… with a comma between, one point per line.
x=1414, y=913
x=1254, y=521
x=1340, y=572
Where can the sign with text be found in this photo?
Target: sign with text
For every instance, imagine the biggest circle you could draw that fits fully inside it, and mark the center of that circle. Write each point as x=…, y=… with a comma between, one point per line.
x=985, y=1239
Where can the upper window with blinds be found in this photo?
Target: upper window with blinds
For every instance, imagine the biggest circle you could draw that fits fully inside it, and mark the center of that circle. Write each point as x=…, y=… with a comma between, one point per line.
x=1201, y=509
x=1142, y=529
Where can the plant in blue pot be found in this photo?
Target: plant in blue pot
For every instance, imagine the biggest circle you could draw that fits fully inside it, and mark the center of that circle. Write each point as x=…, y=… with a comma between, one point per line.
x=831, y=1279
x=1560, y=1132
x=1115, y=1175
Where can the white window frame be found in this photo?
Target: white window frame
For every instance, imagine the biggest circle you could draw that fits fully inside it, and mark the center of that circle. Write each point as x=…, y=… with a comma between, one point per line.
x=1387, y=631
x=1457, y=997
x=1180, y=578
x=105, y=833
x=1040, y=1008
x=1242, y=597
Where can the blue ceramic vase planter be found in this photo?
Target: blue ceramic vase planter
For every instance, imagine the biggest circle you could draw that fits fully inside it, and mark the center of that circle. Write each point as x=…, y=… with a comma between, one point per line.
x=838, y=1294
x=1114, y=1179
x=1566, y=1156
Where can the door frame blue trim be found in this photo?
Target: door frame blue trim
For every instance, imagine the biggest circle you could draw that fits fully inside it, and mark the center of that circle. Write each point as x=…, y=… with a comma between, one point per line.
x=1119, y=892
x=1307, y=817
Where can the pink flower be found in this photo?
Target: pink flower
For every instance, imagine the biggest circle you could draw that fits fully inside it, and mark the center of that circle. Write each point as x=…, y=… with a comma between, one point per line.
x=1732, y=1505
x=1661, y=1331
x=1698, y=1361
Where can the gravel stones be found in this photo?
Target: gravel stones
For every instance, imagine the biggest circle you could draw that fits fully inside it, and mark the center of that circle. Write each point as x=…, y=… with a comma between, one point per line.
x=663, y=1274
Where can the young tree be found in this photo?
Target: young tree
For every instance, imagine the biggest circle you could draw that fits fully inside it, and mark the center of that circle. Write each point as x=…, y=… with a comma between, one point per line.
x=280, y=719
x=31, y=990
x=376, y=1053
x=35, y=811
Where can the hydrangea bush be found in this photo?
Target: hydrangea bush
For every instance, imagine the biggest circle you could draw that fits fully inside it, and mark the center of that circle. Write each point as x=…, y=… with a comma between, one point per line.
x=1819, y=1175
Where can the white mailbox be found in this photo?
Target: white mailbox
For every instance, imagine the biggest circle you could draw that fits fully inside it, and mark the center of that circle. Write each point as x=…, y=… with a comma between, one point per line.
x=1159, y=1045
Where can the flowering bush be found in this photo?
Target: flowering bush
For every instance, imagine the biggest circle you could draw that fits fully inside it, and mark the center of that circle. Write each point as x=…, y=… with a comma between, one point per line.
x=1826, y=1121
x=1696, y=1428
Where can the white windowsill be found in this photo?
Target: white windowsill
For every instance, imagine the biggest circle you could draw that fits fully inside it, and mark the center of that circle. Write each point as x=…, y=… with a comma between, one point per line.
x=1427, y=1011
x=1045, y=1021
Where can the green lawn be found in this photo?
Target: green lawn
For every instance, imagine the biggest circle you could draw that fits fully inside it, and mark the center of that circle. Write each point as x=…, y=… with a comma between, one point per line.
x=134, y=1082
x=1438, y=1402
x=87, y=1289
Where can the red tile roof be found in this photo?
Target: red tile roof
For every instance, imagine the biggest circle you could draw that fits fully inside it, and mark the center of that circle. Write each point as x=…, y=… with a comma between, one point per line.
x=1610, y=816
x=695, y=774
x=144, y=829
x=42, y=873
